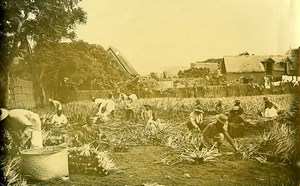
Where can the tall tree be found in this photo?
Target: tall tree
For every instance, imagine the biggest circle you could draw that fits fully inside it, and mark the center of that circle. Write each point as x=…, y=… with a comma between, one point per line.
x=40, y=21
x=82, y=62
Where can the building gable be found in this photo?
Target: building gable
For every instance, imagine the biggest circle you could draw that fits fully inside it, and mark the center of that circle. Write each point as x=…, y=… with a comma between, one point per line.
x=122, y=62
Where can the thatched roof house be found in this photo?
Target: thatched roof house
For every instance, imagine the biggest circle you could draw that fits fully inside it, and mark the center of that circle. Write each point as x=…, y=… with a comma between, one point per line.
x=243, y=63
x=257, y=66
x=212, y=64
x=270, y=64
x=123, y=63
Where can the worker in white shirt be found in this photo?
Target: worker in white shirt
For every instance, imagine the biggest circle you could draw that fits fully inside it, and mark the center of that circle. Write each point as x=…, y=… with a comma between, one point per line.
x=59, y=118
x=107, y=108
x=98, y=102
x=196, y=120
x=23, y=125
x=271, y=108
x=55, y=105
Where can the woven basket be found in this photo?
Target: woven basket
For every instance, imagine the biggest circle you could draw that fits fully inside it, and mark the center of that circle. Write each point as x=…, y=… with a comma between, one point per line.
x=45, y=163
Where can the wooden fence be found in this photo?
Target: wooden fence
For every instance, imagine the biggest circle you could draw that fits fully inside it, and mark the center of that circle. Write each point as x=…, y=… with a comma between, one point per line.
x=22, y=94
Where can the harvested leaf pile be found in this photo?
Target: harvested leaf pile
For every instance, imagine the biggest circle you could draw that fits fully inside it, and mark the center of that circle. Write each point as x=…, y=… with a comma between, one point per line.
x=88, y=160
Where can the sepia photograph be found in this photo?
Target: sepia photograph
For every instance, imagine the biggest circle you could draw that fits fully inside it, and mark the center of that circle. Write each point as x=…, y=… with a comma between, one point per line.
x=149, y=92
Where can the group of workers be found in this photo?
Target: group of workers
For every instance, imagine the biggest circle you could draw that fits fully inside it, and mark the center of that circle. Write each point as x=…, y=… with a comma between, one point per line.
x=105, y=109
x=228, y=125
x=27, y=124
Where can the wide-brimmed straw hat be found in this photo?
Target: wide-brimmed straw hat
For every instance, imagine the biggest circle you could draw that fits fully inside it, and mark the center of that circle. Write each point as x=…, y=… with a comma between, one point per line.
x=222, y=118
x=3, y=114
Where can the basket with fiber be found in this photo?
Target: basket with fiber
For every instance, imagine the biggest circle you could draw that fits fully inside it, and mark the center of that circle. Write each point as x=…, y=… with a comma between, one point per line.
x=45, y=163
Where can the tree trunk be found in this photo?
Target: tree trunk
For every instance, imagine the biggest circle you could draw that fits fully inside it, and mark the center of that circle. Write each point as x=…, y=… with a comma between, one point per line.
x=41, y=91
x=38, y=80
x=4, y=85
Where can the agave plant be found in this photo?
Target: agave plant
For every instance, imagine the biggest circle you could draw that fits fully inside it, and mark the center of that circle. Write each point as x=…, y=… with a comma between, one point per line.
x=85, y=150
x=11, y=172
x=279, y=143
x=106, y=163
x=171, y=142
x=199, y=156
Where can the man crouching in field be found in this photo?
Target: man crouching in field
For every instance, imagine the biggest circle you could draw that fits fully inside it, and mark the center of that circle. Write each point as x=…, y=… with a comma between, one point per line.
x=215, y=133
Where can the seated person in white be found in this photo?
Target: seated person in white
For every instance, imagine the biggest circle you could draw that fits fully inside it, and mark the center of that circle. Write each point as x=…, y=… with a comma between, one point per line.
x=271, y=112
x=59, y=118
x=271, y=108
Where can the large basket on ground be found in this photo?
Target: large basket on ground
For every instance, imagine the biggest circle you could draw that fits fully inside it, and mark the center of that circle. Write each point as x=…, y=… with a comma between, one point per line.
x=45, y=163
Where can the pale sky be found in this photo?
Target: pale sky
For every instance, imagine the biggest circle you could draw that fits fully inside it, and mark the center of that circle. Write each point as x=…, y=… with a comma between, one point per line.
x=155, y=33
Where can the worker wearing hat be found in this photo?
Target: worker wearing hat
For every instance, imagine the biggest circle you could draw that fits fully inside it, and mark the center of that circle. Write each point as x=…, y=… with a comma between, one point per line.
x=196, y=120
x=236, y=123
x=214, y=133
x=219, y=107
x=269, y=103
x=271, y=109
x=237, y=103
x=24, y=124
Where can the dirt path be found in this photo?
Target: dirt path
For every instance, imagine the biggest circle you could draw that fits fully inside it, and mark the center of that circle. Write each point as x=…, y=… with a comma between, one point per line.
x=137, y=166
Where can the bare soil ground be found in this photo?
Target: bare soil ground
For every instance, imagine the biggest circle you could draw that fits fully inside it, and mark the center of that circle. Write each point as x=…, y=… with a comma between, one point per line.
x=137, y=167
x=141, y=165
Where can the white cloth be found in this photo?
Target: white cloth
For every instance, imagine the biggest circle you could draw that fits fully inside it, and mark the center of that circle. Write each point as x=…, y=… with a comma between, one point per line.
x=271, y=112
x=267, y=83
x=56, y=104
x=36, y=139
x=133, y=97
x=62, y=119
x=109, y=106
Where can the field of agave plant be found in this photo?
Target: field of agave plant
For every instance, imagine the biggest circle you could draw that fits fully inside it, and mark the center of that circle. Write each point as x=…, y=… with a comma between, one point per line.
x=266, y=140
